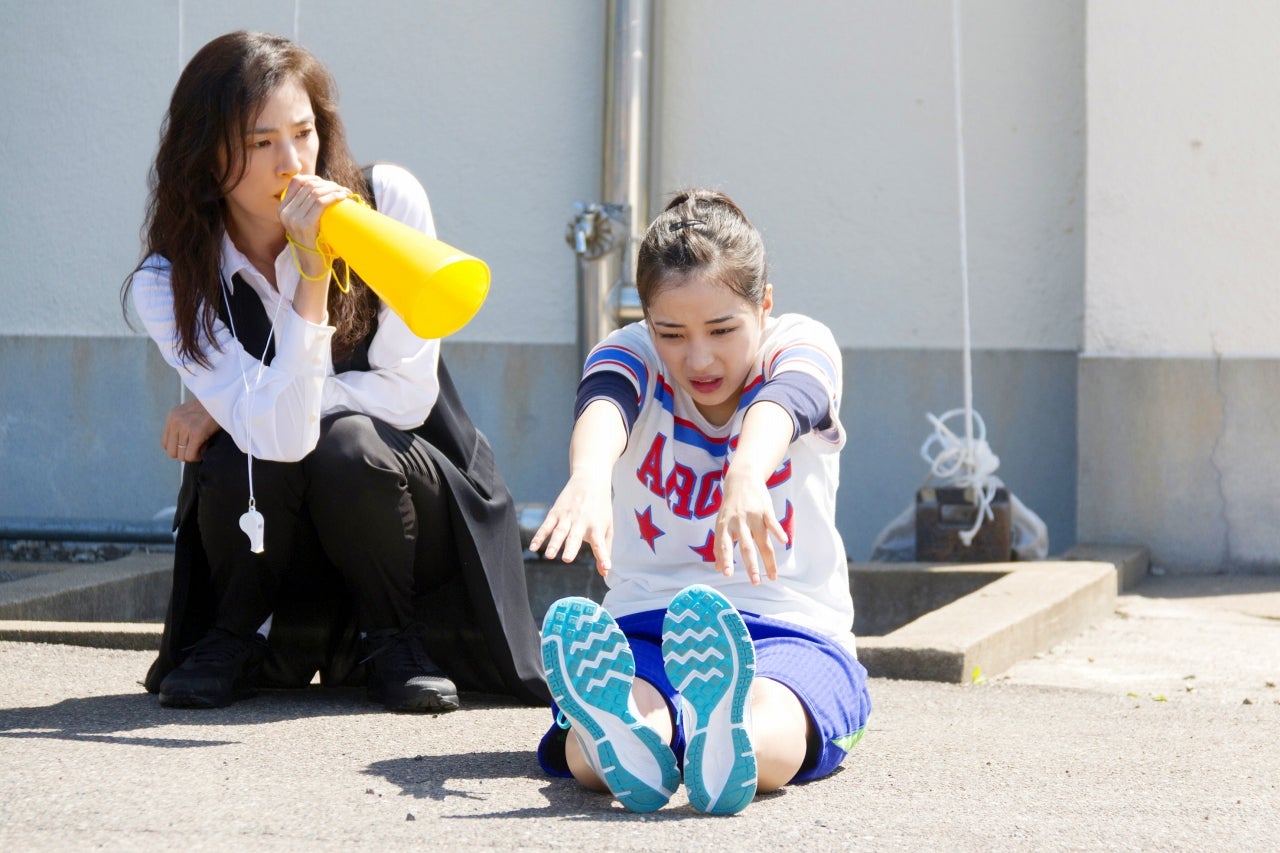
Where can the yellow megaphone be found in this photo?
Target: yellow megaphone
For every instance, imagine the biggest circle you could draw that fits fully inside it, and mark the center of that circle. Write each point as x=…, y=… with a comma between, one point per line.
x=435, y=288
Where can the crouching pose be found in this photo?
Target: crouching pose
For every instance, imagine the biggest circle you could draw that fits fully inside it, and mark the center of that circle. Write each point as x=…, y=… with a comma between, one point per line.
x=703, y=470
x=339, y=513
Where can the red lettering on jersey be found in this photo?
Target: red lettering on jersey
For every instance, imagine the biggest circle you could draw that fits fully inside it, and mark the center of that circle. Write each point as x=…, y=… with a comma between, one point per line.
x=788, y=522
x=650, y=471
x=679, y=490
x=780, y=476
x=709, y=494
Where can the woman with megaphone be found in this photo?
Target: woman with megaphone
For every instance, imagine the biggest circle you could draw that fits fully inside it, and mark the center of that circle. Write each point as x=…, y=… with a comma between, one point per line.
x=339, y=513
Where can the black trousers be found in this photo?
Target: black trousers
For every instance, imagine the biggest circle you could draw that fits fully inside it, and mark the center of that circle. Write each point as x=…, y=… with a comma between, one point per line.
x=368, y=500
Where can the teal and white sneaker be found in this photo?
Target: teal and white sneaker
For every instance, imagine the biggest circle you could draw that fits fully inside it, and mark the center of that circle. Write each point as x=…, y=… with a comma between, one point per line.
x=709, y=657
x=590, y=670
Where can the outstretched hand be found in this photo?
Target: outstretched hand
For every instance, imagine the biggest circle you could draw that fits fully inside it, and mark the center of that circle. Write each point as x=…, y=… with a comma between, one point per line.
x=582, y=513
x=746, y=517
x=186, y=429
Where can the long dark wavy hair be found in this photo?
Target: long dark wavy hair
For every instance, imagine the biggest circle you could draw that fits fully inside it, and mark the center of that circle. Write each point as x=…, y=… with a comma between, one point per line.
x=202, y=153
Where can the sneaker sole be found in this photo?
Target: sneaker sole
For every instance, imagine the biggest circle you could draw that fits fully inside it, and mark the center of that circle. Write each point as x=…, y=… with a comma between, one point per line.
x=590, y=670
x=708, y=655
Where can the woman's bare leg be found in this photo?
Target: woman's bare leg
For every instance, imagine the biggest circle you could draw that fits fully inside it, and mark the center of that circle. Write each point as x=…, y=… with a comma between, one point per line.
x=780, y=731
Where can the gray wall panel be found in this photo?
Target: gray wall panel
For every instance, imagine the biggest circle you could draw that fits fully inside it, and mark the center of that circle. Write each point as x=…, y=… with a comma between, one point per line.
x=1180, y=454
x=80, y=422
x=79, y=433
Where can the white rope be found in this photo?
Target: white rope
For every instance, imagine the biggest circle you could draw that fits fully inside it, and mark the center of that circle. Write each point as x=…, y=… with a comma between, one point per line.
x=965, y=462
x=182, y=17
x=957, y=81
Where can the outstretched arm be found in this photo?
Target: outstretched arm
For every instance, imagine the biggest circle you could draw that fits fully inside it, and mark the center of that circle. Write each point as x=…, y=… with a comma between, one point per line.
x=746, y=513
x=584, y=510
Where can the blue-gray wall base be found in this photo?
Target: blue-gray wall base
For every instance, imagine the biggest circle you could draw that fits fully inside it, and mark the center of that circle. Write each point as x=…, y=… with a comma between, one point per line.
x=1182, y=455
x=81, y=420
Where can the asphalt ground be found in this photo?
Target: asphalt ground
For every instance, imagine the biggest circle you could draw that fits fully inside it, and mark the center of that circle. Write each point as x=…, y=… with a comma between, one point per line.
x=1157, y=730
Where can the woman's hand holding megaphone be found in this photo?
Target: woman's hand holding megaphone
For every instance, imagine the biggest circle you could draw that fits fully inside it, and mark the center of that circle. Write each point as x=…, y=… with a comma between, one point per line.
x=302, y=204
x=435, y=288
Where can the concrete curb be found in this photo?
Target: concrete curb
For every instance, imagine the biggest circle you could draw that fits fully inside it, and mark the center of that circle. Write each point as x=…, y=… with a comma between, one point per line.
x=1028, y=609
x=130, y=589
x=133, y=636
x=1131, y=561
x=955, y=623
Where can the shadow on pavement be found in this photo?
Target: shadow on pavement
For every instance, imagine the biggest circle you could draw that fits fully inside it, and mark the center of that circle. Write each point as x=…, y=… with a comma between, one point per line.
x=107, y=719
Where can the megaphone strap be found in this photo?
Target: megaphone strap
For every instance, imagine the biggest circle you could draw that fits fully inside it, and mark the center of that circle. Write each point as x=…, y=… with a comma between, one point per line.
x=326, y=252
x=294, y=246
x=344, y=285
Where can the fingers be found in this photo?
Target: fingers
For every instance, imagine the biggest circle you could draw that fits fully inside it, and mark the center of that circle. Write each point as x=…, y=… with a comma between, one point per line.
x=762, y=535
x=179, y=447
x=723, y=549
x=187, y=427
x=305, y=199
x=560, y=535
x=564, y=533
x=600, y=550
x=766, y=548
x=768, y=558
x=171, y=439
x=546, y=531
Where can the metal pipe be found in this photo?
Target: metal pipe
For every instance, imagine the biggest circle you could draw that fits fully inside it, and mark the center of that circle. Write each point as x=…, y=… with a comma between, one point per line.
x=598, y=237
x=606, y=235
x=628, y=48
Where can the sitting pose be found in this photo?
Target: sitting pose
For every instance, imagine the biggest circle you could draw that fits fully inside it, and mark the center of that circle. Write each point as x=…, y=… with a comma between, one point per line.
x=339, y=512
x=708, y=425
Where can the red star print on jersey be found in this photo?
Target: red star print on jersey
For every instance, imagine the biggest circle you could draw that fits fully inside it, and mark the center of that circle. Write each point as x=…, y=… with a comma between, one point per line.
x=707, y=550
x=649, y=531
x=788, y=523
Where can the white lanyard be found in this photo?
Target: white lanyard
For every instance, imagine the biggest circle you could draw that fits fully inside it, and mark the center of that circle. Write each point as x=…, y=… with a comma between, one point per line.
x=252, y=522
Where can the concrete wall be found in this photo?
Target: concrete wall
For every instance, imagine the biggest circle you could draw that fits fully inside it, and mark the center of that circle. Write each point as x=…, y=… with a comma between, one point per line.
x=831, y=123
x=1179, y=381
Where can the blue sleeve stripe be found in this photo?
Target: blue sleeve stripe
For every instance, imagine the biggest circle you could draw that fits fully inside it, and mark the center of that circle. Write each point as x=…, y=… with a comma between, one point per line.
x=613, y=357
x=811, y=355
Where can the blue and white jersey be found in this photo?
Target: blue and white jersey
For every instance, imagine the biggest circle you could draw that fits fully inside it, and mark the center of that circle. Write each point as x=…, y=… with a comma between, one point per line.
x=667, y=487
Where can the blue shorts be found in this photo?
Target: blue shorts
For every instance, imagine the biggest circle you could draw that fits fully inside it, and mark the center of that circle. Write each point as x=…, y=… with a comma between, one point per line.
x=828, y=680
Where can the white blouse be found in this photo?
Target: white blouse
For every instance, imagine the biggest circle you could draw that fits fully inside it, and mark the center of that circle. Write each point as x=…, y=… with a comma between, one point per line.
x=274, y=411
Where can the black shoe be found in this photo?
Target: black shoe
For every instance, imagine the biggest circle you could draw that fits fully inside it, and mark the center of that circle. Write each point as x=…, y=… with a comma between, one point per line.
x=402, y=676
x=217, y=671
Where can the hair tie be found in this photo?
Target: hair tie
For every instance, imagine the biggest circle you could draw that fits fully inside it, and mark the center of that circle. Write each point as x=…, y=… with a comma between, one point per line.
x=686, y=223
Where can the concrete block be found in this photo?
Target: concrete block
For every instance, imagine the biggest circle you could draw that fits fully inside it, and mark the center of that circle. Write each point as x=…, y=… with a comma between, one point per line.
x=132, y=589
x=1027, y=610
x=134, y=636
x=1132, y=562
x=921, y=621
